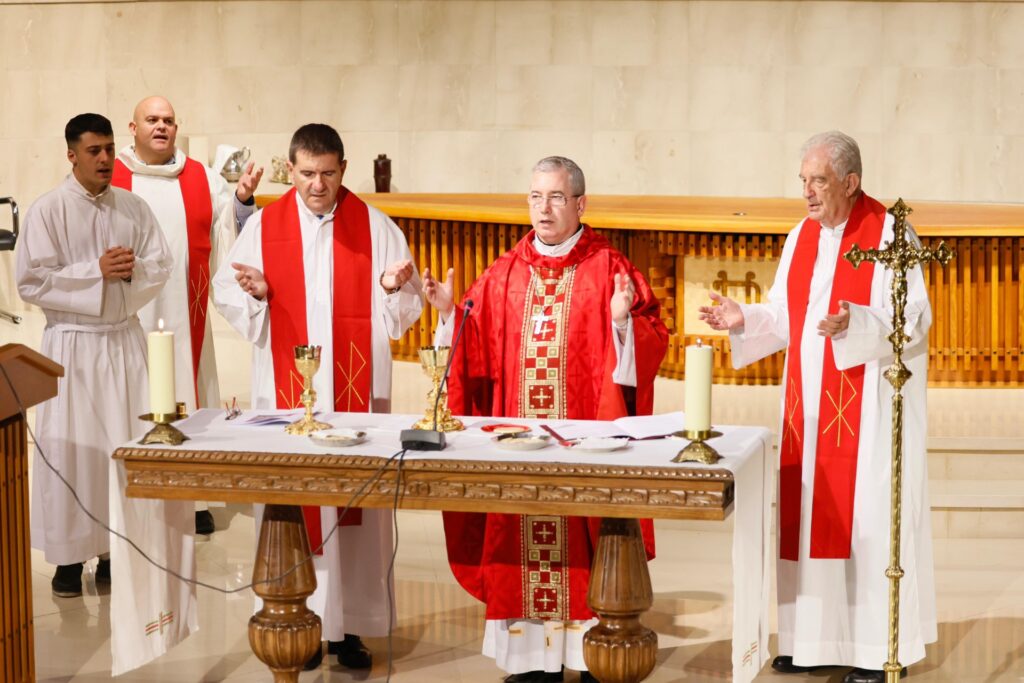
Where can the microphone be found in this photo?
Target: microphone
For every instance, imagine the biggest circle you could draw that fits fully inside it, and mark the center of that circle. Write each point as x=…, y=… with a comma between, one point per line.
x=431, y=439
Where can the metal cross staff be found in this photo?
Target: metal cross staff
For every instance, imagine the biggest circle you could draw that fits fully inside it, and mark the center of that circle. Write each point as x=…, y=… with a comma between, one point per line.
x=899, y=256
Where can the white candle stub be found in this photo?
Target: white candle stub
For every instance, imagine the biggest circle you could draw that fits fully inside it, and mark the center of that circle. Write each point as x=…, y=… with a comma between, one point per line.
x=697, y=407
x=161, y=371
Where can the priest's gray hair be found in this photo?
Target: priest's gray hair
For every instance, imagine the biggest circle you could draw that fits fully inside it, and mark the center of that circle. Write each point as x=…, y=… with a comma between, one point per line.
x=577, y=182
x=843, y=152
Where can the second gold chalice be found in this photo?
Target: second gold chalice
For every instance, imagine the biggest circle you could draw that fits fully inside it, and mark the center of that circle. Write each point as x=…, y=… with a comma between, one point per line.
x=307, y=362
x=434, y=360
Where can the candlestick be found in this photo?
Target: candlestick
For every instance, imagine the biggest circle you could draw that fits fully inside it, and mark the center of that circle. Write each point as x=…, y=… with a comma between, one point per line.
x=698, y=387
x=161, y=371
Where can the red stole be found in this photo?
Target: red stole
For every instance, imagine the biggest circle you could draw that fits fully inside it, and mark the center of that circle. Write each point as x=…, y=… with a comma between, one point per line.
x=284, y=270
x=839, y=413
x=195, y=194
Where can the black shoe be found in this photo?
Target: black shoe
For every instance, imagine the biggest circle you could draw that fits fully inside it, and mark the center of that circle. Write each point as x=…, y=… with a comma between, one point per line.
x=351, y=652
x=587, y=677
x=869, y=676
x=784, y=665
x=535, y=677
x=67, y=580
x=316, y=660
x=204, y=522
x=103, y=571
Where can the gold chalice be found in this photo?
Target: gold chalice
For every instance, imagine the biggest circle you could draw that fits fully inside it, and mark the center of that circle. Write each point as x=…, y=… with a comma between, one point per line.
x=434, y=360
x=307, y=362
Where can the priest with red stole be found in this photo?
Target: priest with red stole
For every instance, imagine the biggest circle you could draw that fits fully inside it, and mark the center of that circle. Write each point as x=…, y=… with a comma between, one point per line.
x=321, y=267
x=563, y=327
x=834, y=321
x=200, y=216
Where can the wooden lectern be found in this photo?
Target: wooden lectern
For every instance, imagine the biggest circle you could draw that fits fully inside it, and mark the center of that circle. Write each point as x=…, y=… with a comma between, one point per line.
x=34, y=378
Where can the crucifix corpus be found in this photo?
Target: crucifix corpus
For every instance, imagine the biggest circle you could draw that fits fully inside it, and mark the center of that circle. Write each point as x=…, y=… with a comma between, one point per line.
x=899, y=256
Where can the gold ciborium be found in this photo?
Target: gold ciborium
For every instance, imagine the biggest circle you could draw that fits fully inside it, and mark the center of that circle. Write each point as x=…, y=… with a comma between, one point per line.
x=307, y=362
x=434, y=360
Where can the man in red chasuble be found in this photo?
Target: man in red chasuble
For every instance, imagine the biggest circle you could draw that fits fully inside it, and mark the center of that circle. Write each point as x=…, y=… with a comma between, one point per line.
x=563, y=327
x=321, y=267
x=834, y=321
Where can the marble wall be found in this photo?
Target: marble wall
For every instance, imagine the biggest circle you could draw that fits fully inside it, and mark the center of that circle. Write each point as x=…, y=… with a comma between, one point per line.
x=700, y=98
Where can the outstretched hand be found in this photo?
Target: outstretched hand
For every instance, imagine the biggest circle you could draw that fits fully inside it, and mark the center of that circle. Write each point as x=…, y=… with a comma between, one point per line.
x=835, y=324
x=396, y=275
x=251, y=280
x=440, y=295
x=622, y=298
x=248, y=183
x=727, y=315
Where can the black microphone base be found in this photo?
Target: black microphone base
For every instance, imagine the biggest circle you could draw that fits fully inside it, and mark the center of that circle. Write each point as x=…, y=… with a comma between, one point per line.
x=422, y=440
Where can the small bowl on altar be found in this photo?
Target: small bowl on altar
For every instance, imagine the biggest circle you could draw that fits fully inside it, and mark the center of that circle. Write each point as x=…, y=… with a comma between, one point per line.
x=338, y=438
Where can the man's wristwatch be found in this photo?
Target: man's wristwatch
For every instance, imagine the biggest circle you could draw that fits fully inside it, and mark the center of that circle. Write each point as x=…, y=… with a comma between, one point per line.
x=386, y=290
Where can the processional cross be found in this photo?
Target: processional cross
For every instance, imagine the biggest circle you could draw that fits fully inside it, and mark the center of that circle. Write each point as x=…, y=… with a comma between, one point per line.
x=899, y=256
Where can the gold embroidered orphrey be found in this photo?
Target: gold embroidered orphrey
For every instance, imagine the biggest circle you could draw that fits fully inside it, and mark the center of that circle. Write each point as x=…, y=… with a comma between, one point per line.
x=841, y=404
x=350, y=374
x=545, y=575
x=545, y=337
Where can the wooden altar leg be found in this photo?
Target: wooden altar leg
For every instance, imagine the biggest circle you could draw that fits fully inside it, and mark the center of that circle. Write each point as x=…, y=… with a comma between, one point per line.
x=619, y=649
x=285, y=634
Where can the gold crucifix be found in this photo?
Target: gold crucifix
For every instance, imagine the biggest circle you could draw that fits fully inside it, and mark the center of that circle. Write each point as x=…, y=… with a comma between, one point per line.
x=899, y=256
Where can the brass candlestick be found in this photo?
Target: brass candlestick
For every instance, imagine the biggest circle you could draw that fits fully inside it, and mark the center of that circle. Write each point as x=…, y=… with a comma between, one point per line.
x=899, y=256
x=434, y=360
x=163, y=431
x=307, y=362
x=697, y=450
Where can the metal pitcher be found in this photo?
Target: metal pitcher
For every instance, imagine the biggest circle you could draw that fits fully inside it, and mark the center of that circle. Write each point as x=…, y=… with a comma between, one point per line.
x=235, y=165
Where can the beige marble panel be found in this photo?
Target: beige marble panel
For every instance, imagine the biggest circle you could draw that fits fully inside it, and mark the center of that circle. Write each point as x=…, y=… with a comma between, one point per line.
x=640, y=98
x=33, y=37
x=351, y=32
x=622, y=33
x=260, y=34
x=46, y=99
x=831, y=97
x=351, y=97
x=921, y=166
x=934, y=100
x=534, y=32
x=836, y=34
x=739, y=164
x=180, y=35
x=446, y=161
x=555, y=97
x=644, y=162
x=445, y=97
x=932, y=34
x=737, y=98
x=436, y=31
x=516, y=152
x=739, y=33
x=998, y=28
x=1000, y=94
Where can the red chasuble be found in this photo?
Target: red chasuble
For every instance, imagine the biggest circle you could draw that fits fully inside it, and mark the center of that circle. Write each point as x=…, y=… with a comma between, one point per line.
x=838, y=436
x=284, y=270
x=539, y=345
x=195, y=194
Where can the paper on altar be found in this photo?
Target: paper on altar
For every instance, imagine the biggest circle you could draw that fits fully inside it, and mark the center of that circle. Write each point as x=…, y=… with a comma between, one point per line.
x=637, y=427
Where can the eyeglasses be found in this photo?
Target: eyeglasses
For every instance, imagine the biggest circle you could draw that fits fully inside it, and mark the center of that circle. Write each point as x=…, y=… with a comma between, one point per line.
x=557, y=200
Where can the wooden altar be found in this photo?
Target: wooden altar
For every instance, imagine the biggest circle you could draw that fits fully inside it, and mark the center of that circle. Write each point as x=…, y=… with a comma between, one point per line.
x=619, y=650
x=687, y=245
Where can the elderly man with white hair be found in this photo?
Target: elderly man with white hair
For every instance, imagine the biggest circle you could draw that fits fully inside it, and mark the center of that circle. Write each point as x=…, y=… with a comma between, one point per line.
x=834, y=476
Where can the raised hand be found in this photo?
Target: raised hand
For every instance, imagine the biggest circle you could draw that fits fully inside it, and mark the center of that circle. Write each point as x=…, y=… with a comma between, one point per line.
x=835, y=324
x=440, y=295
x=727, y=315
x=249, y=181
x=117, y=263
x=396, y=275
x=251, y=280
x=622, y=298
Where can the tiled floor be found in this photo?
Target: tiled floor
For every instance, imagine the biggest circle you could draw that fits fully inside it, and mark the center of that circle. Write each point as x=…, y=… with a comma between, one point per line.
x=980, y=581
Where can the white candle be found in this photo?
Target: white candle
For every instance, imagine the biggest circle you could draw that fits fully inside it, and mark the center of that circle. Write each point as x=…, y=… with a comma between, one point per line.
x=698, y=387
x=161, y=371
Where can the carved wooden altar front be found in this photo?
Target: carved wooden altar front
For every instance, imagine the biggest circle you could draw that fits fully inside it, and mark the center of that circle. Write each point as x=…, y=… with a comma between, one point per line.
x=284, y=634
